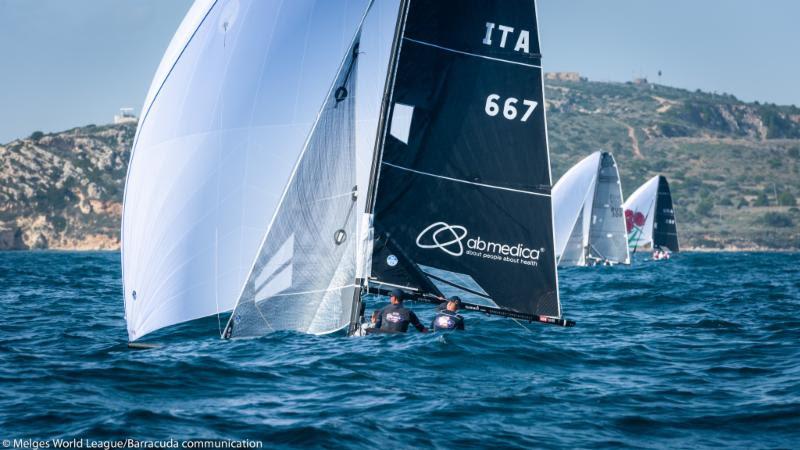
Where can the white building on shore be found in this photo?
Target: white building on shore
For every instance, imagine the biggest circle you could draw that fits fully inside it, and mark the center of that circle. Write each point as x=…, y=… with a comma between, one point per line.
x=125, y=115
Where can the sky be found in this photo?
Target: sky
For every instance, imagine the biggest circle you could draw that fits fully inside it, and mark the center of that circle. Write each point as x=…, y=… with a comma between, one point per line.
x=71, y=63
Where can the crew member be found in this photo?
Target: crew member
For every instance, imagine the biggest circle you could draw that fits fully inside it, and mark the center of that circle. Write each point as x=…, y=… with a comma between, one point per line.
x=395, y=318
x=448, y=318
x=368, y=328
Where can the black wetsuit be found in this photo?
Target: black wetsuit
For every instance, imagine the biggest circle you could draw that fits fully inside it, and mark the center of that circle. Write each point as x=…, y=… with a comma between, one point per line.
x=447, y=320
x=395, y=319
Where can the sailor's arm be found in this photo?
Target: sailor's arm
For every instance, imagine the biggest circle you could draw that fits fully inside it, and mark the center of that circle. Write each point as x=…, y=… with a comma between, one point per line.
x=415, y=321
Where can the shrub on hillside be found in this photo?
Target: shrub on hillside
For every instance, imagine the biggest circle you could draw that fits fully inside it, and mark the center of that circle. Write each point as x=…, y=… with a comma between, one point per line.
x=743, y=203
x=778, y=125
x=777, y=220
x=761, y=200
x=705, y=206
x=787, y=199
x=725, y=201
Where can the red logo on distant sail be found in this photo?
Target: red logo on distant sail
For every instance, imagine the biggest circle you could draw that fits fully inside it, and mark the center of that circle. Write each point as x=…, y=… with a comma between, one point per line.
x=633, y=219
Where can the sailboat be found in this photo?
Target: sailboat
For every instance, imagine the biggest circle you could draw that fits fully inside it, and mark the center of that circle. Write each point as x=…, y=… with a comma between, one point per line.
x=650, y=219
x=589, y=224
x=289, y=215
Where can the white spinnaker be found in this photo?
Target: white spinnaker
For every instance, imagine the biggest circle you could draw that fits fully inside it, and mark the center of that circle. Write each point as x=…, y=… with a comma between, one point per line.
x=639, y=209
x=227, y=115
x=573, y=194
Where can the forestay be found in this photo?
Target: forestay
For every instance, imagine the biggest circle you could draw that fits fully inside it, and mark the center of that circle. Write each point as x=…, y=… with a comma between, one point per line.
x=227, y=116
x=462, y=188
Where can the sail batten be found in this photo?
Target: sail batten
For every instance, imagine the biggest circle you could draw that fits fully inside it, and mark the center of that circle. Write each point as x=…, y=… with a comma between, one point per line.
x=465, y=181
x=416, y=41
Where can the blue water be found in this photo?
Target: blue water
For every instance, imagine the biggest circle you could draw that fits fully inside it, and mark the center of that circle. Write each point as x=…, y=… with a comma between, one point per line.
x=701, y=351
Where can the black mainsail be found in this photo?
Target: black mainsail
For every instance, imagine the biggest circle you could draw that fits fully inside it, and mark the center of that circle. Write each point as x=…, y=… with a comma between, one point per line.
x=460, y=192
x=665, y=231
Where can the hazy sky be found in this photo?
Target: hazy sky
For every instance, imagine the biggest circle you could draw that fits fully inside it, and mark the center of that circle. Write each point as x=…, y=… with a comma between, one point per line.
x=66, y=63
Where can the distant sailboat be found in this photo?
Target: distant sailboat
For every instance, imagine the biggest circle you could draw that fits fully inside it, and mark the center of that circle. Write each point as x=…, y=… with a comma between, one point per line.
x=587, y=205
x=449, y=194
x=650, y=218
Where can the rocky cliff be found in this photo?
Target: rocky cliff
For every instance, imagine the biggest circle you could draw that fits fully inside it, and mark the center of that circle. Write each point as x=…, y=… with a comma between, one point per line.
x=64, y=190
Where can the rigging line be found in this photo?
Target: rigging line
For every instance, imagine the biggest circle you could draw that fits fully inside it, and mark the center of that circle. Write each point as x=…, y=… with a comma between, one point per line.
x=216, y=229
x=384, y=283
x=465, y=181
x=523, y=326
x=216, y=277
x=472, y=54
x=350, y=209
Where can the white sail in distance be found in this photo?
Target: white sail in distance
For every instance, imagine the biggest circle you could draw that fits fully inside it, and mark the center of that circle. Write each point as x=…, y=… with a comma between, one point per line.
x=227, y=116
x=650, y=217
x=588, y=218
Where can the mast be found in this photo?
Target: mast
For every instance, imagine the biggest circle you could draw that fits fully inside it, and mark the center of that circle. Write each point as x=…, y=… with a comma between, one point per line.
x=360, y=282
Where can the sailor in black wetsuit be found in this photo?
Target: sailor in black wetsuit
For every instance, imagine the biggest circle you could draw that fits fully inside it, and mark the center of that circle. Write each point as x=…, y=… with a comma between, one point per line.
x=448, y=318
x=395, y=318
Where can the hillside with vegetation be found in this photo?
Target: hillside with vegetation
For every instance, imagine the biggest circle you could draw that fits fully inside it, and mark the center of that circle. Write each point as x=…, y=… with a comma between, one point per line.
x=732, y=166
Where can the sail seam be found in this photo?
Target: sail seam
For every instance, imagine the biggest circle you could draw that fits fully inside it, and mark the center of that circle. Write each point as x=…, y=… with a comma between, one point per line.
x=461, y=52
x=467, y=182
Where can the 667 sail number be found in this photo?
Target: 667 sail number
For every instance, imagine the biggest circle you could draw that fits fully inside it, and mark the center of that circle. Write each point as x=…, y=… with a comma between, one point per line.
x=510, y=107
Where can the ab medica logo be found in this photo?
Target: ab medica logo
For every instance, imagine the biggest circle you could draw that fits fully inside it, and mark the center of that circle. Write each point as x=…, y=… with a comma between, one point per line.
x=451, y=239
